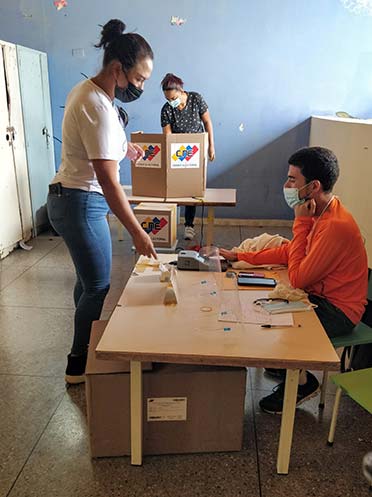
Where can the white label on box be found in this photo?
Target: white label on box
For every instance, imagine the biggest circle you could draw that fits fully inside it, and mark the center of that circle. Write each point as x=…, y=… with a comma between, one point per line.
x=185, y=155
x=151, y=155
x=167, y=409
x=155, y=225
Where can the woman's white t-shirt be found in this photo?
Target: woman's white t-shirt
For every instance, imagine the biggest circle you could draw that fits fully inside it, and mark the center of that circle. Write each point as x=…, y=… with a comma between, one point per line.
x=90, y=130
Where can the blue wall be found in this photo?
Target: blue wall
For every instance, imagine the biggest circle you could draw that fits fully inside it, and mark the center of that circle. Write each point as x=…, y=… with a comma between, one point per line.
x=268, y=64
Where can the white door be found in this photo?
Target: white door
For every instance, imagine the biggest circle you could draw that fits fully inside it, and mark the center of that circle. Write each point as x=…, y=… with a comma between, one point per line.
x=10, y=218
x=19, y=149
x=34, y=84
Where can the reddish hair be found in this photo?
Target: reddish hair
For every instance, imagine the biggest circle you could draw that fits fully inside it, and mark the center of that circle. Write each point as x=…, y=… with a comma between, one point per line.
x=171, y=82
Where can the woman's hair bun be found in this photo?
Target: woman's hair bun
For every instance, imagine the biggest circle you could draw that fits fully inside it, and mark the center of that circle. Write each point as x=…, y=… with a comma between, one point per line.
x=110, y=31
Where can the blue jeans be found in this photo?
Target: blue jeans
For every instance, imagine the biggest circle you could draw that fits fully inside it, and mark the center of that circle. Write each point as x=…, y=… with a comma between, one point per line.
x=79, y=217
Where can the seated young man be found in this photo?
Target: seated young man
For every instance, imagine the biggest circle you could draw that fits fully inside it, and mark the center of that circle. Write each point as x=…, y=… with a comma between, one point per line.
x=326, y=256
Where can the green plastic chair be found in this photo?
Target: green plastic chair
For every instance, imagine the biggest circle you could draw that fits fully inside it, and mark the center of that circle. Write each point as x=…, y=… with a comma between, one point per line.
x=358, y=386
x=361, y=334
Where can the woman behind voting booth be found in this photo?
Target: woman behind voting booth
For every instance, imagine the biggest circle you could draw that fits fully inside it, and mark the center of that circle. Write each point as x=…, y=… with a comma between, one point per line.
x=87, y=182
x=185, y=112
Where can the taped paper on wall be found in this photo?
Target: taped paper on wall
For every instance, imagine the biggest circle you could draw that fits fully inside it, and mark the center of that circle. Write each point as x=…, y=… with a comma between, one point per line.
x=59, y=4
x=177, y=21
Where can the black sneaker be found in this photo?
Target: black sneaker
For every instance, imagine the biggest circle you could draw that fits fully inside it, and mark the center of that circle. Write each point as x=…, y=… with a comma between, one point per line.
x=75, y=371
x=273, y=403
x=276, y=373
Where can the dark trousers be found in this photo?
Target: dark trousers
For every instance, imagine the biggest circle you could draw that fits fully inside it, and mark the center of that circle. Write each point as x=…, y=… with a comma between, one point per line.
x=190, y=215
x=333, y=320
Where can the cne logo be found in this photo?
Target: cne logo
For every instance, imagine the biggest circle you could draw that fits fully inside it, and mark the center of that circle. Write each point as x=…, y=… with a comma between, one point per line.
x=150, y=152
x=185, y=153
x=153, y=225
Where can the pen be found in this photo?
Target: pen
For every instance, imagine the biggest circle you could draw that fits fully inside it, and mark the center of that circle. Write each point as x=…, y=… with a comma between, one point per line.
x=272, y=326
x=279, y=326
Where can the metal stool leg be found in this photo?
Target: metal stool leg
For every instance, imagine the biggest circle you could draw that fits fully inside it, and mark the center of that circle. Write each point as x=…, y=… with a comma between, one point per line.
x=323, y=389
x=332, y=428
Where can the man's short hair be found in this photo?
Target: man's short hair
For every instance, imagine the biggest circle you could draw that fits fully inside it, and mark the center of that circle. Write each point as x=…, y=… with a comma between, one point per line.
x=317, y=163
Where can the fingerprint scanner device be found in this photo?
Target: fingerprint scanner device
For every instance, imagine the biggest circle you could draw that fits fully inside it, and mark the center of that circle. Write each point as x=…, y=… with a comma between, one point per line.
x=192, y=261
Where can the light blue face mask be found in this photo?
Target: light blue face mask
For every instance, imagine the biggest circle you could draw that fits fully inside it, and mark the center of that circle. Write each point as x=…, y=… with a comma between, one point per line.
x=174, y=103
x=292, y=196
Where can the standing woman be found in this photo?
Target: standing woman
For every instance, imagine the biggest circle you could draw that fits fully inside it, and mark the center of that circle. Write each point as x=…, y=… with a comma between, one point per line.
x=87, y=182
x=185, y=112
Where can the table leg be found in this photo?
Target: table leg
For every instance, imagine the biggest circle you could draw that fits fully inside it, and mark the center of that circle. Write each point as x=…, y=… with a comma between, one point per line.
x=286, y=427
x=136, y=412
x=210, y=225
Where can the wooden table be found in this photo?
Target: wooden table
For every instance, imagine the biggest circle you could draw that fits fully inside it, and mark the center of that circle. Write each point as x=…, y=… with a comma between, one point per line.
x=221, y=197
x=141, y=328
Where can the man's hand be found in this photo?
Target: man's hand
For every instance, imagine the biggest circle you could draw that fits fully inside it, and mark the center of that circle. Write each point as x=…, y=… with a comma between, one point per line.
x=143, y=244
x=134, y=151
x=305, y=210
x=229, y=255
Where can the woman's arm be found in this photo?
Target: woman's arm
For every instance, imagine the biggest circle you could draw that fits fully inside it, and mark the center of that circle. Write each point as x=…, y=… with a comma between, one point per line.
x=207, y=121
x=167, y=130
x=106, y=171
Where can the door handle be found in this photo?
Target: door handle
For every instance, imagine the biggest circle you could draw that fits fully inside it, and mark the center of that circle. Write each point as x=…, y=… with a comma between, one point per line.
x=46, y=133
x=10, y=135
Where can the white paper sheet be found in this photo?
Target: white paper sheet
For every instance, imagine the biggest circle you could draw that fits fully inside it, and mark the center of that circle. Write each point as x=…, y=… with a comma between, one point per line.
x=238, y=306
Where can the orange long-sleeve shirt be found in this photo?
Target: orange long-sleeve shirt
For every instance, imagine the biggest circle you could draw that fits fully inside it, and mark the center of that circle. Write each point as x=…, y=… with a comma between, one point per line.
x=326, y=257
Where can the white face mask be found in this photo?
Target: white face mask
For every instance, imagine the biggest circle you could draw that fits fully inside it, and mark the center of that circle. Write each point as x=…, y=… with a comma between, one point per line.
x=292, y=196
x=175, y=103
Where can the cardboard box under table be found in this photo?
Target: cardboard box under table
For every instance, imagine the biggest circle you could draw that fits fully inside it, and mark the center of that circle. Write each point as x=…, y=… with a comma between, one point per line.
x=186, y=408
x=173, y=165
x=159, y=221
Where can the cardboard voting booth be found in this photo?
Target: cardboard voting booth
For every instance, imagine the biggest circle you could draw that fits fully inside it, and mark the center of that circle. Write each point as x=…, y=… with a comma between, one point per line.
x=159, y=221
x=173, y=165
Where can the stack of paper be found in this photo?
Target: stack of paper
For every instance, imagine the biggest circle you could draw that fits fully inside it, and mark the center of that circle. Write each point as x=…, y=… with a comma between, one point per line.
x=284, y=307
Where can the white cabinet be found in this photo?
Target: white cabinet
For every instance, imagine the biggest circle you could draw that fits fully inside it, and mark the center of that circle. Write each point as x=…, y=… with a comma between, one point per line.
x=15, y=201
x=37, y=120
x=26, y=144
x=351, y=141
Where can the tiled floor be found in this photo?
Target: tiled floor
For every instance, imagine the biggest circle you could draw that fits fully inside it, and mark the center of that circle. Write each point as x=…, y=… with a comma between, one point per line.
x=43, y=431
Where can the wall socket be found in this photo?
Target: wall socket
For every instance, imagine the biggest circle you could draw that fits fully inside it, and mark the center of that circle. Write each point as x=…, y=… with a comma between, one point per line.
x=78, y=52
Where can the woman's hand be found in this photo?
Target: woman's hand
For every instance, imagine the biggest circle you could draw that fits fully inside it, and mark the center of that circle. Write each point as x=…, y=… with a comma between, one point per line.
x=229, y=255
x=211, y=153
x=143, y=244
x=134, y=152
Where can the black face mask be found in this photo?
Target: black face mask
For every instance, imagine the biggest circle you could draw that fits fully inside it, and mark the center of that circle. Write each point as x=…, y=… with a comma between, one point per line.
x=128, y=94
